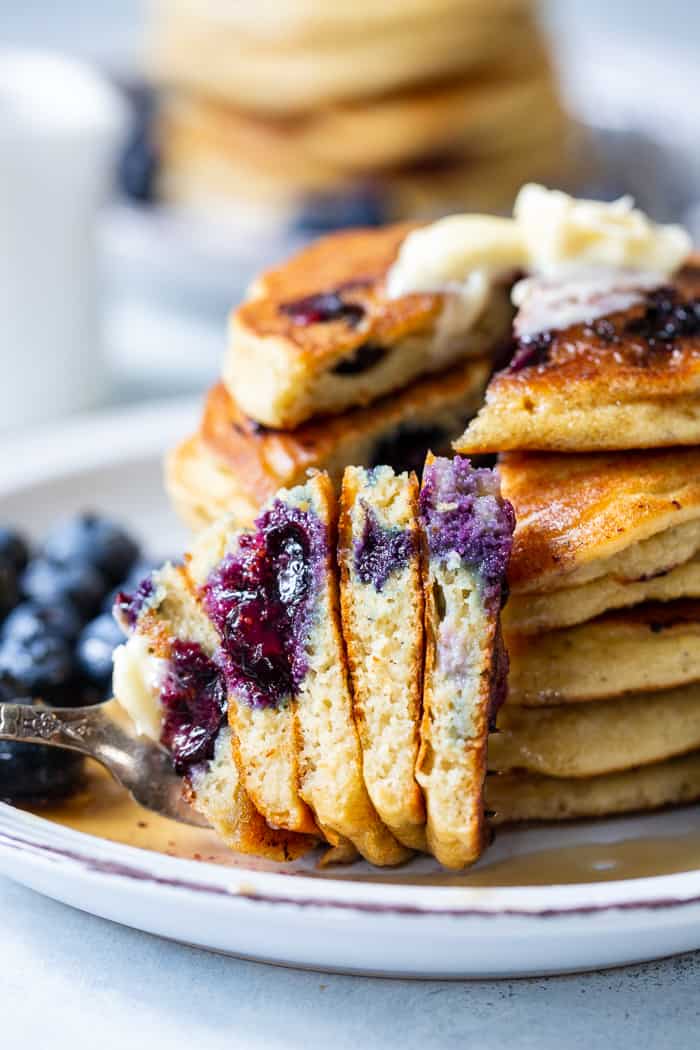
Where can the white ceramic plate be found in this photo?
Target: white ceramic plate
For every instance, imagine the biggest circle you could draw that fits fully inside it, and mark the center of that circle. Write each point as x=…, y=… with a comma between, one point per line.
x=355, y=920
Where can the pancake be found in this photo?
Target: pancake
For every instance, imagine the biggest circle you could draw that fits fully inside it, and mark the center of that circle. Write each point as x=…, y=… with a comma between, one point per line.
x=586, y=740
x=629, y=380
x=525, y=796
x=533, y=613
x=265, y=74
x=382, y=612
x=652, y=646
x=271, y=180
x=161, y=677
x=233, y=465
x=487, y=114
x=601, y=531
x=467, y=531
x=318, y=334
x=223, y=566
x=273, y=597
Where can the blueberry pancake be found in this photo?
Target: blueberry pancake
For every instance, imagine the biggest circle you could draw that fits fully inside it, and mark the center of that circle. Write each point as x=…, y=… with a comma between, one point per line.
x=319, y=334
x=256, y=605
x=467, y=529
x=585, y=740
x=271, y=593
x=599, y=532
x=652, y=646
x=382, y=612
x=233, y=464
x=626, y=380
x=514, y=797
x=168, y=680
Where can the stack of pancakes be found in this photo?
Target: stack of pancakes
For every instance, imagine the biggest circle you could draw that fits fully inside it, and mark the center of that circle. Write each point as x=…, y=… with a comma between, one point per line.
x=422, y=106
x=601, y=423
x=598, y=431
x=323, y=370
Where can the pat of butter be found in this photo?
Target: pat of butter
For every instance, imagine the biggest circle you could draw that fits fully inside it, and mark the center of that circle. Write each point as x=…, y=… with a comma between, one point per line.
x=137, y=681
x=447, y=253
x=551, y=234
x=561, y=231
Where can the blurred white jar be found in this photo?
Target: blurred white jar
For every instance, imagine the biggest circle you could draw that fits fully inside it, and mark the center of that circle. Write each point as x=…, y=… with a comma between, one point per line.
x=61, y=126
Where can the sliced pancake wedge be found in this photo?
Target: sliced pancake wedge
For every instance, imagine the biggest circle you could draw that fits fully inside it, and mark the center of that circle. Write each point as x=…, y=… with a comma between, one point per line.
x=652, y=646
x=514, y=797
x=586, y=740
x=232, y=465
x=239, y=574
x=272, y=594
x=319, y=334
x=603, y=531
x=628, y=380
x=382, y=614
x=167, y=679
x=467, y=533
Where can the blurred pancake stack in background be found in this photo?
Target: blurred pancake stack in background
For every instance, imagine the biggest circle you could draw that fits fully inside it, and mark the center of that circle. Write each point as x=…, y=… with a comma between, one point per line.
x=350, y=114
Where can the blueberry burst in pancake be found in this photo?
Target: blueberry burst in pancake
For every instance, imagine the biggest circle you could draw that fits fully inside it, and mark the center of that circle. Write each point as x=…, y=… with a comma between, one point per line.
x=467, y=533
x=233, y=465
x=168, y=679
x=319, y=334
x=382, y=604
x=599, y=532
x=273, y=598
x=627, y=378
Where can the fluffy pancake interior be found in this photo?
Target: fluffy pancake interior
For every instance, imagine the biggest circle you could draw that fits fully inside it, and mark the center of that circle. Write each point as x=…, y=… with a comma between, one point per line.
x=383, y=628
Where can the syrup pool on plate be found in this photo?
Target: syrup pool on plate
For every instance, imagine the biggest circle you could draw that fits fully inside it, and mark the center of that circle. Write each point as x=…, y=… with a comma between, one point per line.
x=104, y=809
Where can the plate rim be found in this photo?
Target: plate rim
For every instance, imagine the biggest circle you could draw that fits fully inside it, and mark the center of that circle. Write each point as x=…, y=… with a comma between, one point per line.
x=40, y=840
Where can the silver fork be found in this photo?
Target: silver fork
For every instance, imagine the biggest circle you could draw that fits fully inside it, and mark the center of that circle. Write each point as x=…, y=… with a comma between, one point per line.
x=101, y=732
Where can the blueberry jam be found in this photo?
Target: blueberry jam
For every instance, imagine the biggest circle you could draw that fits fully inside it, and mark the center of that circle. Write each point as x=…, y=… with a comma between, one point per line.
x=128, y=605
x=530, y=351
x=361, y=360
x=322, y=308
x=260, y=600
x=194, y=706
x=381, y=551
x=462, y=511
x=667, y=317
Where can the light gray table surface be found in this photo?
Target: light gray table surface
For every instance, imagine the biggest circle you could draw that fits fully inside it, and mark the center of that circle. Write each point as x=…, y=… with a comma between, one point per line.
x=69, y=980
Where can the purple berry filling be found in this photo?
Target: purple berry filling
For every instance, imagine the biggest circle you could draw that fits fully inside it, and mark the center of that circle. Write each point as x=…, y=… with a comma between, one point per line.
x=322, y=308
x=193, y=698
x=462, y=511
x=381, y=550
x=260, y=599
x=128, y=606
x=361, y=360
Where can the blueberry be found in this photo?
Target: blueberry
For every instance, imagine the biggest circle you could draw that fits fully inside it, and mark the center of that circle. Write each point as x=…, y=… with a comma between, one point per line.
x=138, y=166
x=36, y=775
x=35, y=664
x=48, y=583
x=13, y=548
x=95, y=647
x=28, y=619
x=139, y=572
x=98, y=541
x=324, y=213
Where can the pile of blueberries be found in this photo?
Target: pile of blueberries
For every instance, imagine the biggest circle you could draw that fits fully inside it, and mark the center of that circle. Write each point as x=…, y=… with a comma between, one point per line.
x=57, y=635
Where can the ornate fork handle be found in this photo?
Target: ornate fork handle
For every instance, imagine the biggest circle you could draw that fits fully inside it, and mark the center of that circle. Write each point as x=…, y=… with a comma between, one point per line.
x=83, y=729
